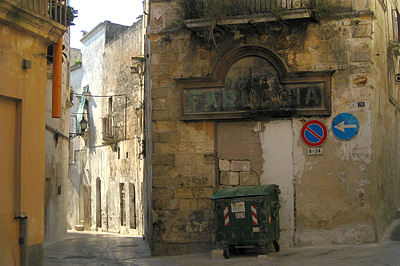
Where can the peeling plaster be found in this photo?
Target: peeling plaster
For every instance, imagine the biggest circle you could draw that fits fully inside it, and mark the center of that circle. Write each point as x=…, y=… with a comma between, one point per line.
x=277, y=152
x=350, y=234
x=299, y=159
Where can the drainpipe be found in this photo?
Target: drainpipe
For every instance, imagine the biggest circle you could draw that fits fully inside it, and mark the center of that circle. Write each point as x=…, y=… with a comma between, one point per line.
x=57, y=67
x=23, y=238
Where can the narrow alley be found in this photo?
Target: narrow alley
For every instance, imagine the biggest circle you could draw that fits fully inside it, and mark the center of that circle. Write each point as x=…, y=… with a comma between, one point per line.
x=91, y=249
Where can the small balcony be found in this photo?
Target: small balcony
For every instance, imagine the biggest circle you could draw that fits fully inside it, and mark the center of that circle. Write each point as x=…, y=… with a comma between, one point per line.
x=45, y=19
x=199, y=14
x=108, y=132
x=56, y=10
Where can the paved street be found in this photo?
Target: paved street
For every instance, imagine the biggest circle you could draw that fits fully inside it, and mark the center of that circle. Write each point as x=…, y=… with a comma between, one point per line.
x=108, y=249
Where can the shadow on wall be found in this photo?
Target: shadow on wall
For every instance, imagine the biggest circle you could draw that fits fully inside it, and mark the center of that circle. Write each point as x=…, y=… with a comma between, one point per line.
x=92, y=128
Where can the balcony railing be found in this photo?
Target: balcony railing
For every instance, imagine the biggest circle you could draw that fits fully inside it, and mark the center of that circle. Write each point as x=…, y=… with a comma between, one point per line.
x=195, y=9
x=56, y=10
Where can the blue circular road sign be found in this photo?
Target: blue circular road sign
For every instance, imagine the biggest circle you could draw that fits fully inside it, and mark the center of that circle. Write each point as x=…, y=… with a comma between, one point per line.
x=345, y=126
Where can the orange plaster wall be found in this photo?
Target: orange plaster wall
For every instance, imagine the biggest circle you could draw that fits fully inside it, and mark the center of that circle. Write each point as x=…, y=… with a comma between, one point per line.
x=27, y=87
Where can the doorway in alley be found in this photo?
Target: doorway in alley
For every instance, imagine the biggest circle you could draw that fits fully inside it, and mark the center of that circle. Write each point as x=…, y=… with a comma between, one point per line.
x=264, y=150
x=10, y=198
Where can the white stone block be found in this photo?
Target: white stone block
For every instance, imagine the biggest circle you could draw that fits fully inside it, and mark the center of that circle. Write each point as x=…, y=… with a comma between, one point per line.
x=262, y=257
x=217, y=254
x=229, y=178
x=240, y=166
x=224, y=165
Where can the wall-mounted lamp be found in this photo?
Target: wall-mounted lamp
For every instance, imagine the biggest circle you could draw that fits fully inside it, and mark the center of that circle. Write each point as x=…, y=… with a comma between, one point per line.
x=83, y=124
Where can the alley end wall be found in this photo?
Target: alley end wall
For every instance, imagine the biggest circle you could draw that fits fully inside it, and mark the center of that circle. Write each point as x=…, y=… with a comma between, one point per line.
x=106, y=177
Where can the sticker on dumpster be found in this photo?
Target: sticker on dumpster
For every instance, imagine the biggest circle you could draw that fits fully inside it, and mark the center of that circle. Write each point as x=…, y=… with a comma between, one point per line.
x=238, y=207
x=240, y=215
x=254, y=214
x=226, y=215
x=256, y=229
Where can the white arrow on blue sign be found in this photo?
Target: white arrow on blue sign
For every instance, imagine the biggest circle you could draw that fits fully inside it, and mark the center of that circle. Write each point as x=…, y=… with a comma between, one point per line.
x=345, y=126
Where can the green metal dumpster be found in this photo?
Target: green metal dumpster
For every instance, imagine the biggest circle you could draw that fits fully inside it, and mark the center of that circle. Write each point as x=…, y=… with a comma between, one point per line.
x=247, y=217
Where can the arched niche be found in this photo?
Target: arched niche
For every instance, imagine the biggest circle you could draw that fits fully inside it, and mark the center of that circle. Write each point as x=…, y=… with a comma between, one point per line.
x=235, y=55
x=250, y=82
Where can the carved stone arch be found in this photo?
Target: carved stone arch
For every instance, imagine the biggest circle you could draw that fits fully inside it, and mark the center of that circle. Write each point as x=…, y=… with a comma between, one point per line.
x=235, y=55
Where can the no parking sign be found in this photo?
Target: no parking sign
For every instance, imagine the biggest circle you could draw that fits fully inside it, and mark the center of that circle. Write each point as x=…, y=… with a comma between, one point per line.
x=314, y=133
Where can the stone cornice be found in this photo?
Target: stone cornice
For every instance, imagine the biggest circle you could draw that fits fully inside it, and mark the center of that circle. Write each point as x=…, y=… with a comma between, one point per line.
x=93, y=32
x=18, y=16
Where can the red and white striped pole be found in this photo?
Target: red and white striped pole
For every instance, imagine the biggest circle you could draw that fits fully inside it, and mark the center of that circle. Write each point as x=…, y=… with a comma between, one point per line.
x=226, y=216
x=254, y=214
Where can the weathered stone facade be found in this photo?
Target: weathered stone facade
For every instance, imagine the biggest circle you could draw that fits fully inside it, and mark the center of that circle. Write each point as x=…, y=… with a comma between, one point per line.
x=349, y=194
x=57, y=151
x=106, y=164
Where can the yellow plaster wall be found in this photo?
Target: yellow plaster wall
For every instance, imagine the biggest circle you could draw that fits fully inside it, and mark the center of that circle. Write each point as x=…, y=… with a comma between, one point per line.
x=9, y=227
x=27, y=87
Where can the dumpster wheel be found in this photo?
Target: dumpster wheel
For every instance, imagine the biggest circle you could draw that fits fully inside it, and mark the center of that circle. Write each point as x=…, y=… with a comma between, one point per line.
x=264, y=250
x=276, y=246
x=226, y=253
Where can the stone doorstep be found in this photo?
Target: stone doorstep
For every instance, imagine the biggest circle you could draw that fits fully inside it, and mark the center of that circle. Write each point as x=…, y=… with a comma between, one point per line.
x=79, y=227
x=217, y=254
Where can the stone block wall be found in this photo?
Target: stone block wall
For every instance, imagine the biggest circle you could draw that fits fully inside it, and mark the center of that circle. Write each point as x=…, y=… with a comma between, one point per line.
x=183, y=161
x=237, y=173
x=183, y=182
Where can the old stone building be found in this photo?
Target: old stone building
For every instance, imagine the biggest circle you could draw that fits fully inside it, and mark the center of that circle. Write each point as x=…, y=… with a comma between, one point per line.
x=106, y=160
x=57, y=150
x=302, y=94
x=26, y=31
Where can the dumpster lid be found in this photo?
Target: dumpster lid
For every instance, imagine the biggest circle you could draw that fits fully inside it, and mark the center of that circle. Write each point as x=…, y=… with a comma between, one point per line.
x=247, y=191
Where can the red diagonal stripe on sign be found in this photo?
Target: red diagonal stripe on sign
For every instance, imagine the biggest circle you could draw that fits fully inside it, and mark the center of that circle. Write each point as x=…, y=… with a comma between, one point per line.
x=314, y=133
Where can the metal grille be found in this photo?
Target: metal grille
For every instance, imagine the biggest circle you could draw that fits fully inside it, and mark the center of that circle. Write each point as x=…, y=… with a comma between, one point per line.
x=244, y=7
x=56, y=10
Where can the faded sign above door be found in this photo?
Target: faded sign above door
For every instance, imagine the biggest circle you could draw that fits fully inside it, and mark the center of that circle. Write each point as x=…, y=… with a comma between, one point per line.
x=253, y=86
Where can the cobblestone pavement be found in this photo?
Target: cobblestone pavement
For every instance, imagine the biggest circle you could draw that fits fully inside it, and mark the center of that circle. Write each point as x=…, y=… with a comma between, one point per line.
x=108, y=249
